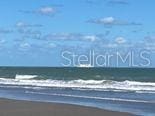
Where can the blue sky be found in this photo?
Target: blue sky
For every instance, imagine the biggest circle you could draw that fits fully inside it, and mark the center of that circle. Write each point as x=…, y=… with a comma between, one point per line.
x=35, y=32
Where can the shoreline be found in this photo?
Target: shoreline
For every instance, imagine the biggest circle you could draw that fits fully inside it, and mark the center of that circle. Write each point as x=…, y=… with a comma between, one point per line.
x=9, y=107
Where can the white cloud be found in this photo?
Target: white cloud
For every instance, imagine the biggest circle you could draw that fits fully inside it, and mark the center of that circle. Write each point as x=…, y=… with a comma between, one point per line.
x=111, y=21
x=117, y=2
x=25, y=45
x=47, y=10
x=22, y=24
x=120, y=40
x=107, y=20
x=71, y=37
x=90, y=37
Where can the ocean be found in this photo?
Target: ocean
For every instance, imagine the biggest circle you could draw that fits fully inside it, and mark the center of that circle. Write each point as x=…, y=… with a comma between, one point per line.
x=120, y=89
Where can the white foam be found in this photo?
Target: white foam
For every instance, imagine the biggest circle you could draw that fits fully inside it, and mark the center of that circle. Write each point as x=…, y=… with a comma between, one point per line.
x=82, y=84
x=25, y=77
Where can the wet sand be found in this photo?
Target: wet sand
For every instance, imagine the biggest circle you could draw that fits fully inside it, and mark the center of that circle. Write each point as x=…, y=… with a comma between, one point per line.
x=28, y=108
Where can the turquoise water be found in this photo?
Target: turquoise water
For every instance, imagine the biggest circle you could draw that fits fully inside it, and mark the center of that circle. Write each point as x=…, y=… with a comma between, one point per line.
x=121, y=89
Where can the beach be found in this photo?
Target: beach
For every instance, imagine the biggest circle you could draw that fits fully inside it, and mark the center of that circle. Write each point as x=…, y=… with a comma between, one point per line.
x=100, y=89
x=28, y=108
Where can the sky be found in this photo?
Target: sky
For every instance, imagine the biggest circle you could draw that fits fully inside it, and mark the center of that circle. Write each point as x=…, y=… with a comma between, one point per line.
x=37, y=32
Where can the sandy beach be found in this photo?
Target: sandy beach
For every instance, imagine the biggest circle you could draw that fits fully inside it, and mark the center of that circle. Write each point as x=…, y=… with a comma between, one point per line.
x=27, y=108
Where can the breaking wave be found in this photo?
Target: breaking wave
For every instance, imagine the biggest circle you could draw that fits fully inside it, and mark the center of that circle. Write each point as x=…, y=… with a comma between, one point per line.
x=25, y=77
x=110, y=85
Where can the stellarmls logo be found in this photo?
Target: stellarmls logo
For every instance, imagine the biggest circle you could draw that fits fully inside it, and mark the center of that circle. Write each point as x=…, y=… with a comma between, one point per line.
x=107, y=59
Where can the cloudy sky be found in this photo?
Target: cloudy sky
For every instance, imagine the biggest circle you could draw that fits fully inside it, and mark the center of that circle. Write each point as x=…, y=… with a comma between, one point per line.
x=36, y=32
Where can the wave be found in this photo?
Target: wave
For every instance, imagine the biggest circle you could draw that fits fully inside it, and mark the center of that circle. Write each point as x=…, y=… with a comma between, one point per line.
x=25, y=77
x=91, y=97
x=101, y=85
